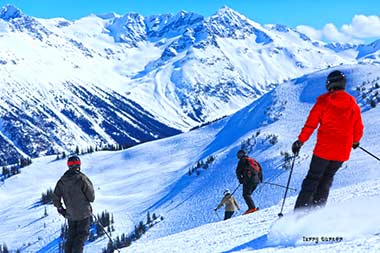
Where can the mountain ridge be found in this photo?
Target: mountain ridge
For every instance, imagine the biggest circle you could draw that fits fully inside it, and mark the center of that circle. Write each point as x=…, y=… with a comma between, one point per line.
x=183, y=69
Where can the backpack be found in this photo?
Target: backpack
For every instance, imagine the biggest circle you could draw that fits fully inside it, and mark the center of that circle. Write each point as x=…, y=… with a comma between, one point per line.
x=255, y=168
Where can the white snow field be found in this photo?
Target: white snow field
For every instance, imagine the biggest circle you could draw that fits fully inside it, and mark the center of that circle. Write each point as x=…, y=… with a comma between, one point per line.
x=154, y=177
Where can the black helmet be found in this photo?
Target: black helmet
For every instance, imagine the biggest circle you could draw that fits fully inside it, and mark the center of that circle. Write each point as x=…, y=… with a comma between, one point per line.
x=241, y=153
x=336, y=81
x=226, y=192
x=73, y=162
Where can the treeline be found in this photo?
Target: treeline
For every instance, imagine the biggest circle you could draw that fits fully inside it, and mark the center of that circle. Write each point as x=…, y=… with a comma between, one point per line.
x=369, y=92
x=4, y=249
x=104, y=223
x=249, y=143
x=47, y=197
x=91, y=149
x=287, y=159
x=126, y=240
x=8, y=171
x=104, y=220
x=207, y=123
x=202, y=164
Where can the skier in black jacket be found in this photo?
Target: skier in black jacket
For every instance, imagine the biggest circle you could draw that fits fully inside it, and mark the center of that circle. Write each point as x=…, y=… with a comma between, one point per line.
x=77, y=191
x=248, y=179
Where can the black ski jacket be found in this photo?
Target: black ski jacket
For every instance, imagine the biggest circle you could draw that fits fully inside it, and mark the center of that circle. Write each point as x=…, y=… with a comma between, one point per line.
x=77, y=191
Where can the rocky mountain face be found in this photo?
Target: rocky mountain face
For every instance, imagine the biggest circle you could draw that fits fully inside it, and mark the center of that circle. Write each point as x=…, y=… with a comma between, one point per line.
x=130, y=79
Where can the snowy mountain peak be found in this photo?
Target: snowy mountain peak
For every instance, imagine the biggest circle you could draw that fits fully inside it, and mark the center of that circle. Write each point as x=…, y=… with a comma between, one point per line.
x=227, y=11
x=9, y=12
x=338, y=47
x=231, y=24
x=129, y=28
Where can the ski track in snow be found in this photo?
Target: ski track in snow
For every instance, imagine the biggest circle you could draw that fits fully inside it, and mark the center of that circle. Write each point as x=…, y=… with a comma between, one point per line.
x=153, y=177
x=346, y=216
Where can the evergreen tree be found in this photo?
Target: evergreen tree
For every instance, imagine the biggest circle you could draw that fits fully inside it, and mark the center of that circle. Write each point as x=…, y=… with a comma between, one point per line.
x=5, y=248
x=148, y=219
x=110, y=246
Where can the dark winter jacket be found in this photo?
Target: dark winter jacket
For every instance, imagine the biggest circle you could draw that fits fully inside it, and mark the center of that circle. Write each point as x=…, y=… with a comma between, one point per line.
x=340, y=125
x=77, y=192
x=244, y=175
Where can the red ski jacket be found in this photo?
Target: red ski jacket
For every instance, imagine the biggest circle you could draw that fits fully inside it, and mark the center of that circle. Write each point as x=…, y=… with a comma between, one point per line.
x=340, y=125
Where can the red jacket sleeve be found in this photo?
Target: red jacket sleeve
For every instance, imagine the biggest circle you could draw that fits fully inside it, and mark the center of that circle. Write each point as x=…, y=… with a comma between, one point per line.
x=312, y=121
x=358, y=125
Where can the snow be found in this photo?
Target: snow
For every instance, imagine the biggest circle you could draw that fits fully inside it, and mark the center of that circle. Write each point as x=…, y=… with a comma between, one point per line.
x=267, y=82
x=349, y=218
x=154, y=177
x=224, y=73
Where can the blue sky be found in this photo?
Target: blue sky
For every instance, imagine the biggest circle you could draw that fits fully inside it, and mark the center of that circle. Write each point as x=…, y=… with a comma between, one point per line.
x=311, y=13
x=315, y=13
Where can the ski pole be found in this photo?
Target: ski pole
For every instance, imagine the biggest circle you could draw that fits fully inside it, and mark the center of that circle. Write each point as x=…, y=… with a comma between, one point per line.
x=293, y=189
x=287, y=187
x=377, y=158
x=217, y=215
x=235, y=189
x=109, y=237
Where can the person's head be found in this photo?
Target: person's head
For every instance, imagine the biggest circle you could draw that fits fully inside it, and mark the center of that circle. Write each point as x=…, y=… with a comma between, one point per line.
x=240, y=154
x=226, y=192
x=73, y=162
x=336, y=81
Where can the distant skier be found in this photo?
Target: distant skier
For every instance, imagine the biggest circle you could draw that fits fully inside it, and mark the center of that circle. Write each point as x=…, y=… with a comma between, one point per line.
x=77, y=192
x=340, y=129
x=248, y=174
x=230, y=204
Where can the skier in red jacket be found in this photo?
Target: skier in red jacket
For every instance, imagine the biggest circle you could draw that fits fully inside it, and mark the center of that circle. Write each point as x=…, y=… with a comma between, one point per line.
x=340, y=129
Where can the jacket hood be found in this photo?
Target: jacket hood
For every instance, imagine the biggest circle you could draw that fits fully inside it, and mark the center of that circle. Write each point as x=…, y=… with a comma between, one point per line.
x=70, y=175
x=340, y=100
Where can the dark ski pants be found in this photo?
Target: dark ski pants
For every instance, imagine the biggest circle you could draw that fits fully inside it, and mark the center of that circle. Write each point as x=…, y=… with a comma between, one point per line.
x=316, y=185
x=77, y=235
x=247, y=192
x=228, y=214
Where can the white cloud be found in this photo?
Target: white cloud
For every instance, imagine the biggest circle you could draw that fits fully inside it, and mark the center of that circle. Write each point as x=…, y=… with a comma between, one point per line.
x=330, y=32
x=310, y=32
x=363, y=26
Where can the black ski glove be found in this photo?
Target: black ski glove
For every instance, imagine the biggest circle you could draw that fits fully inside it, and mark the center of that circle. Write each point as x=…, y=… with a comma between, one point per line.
x=355, y=145
x=61, y=211
x=296, y=147
x=216, y=209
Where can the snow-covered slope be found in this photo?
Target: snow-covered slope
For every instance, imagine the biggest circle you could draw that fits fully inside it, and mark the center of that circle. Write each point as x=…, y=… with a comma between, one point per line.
x=154, y=177
x=180, y=70
x=348, y=224
x=369, y=52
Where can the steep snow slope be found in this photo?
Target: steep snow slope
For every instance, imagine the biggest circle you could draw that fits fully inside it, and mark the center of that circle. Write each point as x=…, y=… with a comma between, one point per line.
x=348, y=224
x=280, y=113
x=154, y=176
